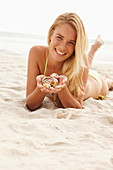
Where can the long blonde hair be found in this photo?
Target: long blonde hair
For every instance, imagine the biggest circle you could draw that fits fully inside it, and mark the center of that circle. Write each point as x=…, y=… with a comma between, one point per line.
x=73, y=67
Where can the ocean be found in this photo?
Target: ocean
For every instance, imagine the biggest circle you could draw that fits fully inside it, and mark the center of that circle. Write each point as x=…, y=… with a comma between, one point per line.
x=19, y=44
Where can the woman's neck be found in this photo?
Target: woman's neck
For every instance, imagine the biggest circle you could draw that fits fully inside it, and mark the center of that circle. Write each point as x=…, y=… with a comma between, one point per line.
x=54, y=66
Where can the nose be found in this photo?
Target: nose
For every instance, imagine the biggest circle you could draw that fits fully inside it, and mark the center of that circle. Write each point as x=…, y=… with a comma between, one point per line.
x=63, y=47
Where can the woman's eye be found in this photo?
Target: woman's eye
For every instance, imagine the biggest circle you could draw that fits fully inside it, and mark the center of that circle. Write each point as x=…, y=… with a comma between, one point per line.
x=71, y=43
x=58, y=37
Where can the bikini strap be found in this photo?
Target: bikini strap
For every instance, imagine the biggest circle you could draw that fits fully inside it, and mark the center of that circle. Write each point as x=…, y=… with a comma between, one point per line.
x=45, y=69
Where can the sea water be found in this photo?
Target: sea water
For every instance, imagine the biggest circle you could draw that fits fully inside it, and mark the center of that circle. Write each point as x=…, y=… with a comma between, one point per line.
x=19, y=44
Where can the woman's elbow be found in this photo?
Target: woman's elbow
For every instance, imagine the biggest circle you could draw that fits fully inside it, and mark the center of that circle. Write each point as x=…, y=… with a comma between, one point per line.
x=73, y=105
x=78, y=107
x=30, y=106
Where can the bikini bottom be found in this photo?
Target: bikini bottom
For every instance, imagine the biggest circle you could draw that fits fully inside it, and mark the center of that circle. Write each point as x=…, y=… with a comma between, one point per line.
x=97, y=77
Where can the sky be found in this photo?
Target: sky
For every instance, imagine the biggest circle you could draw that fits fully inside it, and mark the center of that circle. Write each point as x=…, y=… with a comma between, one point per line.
x=36, y=16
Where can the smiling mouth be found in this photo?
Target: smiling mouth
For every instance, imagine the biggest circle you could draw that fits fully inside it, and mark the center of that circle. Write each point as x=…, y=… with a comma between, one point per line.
x=59, y=52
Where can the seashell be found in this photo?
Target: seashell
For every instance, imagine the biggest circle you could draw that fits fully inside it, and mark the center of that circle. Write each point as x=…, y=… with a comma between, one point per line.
x=59, y=116
x=54, y=75
x=47, y=86
x=49, y=82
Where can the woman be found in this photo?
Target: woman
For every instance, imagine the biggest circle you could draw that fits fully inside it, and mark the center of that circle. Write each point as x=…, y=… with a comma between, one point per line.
x=66, y=55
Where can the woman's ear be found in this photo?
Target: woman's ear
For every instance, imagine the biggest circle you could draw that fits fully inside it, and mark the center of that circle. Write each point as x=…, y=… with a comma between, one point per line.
x=49, y=40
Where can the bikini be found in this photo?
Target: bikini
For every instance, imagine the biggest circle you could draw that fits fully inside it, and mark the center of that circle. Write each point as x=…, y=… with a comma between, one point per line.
x=97, y=77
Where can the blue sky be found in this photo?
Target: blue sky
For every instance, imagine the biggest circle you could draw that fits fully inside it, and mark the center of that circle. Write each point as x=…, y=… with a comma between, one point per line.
x=36, y=16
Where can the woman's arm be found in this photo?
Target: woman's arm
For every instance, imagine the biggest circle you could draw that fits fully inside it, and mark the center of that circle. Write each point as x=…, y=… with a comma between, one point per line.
x=67, y=99
x=34, y=100
x=34, y=95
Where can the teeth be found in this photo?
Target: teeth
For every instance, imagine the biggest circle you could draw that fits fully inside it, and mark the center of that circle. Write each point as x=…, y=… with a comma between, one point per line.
x=60, y=52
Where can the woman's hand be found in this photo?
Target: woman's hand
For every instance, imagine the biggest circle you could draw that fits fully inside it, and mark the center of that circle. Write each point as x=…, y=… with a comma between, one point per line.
x=62, y=83
x=40, y=85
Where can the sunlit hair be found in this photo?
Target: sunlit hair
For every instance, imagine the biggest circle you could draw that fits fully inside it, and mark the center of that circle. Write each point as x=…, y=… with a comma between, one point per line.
x=73, y=67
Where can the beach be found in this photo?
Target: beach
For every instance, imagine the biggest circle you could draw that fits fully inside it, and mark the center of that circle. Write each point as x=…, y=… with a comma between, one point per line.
x=81, y=140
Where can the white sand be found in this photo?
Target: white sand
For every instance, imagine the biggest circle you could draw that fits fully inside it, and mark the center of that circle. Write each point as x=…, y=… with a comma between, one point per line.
x=81, y=140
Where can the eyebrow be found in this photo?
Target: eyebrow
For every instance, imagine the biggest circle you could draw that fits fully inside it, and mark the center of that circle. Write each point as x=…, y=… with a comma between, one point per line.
x=63, y=37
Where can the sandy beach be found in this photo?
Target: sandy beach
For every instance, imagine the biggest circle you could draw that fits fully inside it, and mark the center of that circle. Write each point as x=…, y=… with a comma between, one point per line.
x=81, y=140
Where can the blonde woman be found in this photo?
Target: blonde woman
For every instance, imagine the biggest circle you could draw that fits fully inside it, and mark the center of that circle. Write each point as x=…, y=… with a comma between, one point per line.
x=66, y=55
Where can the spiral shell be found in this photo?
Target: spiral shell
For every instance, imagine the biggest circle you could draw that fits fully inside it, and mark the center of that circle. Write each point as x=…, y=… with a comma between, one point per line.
x=49, y=82
x=54, y=75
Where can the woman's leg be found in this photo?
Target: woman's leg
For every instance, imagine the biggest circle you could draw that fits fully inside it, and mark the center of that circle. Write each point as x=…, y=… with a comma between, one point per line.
x=97, y=44
x=93, y=88
x=105, y=87
x=107, y=84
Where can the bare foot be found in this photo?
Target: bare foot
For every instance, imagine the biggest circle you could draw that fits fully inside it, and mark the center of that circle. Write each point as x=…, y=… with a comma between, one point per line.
x=98, y=42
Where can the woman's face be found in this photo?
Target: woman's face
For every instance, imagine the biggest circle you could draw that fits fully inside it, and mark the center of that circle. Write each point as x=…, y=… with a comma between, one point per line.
x=63, y=42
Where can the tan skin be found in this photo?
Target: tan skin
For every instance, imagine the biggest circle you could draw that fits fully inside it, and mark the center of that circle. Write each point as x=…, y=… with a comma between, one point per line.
x=61, y=47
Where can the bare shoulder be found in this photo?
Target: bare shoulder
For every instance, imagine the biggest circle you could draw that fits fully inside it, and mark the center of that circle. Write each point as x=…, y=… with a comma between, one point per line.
x=38, y=48
x=37, y=59
x=37, y=51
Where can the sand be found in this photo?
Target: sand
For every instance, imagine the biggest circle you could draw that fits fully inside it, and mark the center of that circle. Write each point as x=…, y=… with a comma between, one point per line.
x=81, y=140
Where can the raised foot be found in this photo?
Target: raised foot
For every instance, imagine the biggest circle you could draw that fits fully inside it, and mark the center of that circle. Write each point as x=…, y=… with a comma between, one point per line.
x=99, y=40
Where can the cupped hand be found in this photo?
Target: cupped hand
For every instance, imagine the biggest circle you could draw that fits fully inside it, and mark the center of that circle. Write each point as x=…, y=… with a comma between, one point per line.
x=40, y=85
x=62, y=83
